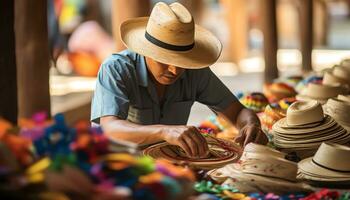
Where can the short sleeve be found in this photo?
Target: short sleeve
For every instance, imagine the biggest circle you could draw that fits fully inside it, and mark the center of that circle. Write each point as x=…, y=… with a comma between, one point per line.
x=110, y=96
x=212, y=92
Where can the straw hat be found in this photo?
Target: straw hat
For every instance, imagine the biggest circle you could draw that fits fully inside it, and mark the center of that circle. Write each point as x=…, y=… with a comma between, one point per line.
x=331, y=79
x=345, y=63
x=221, y=153
x=301, y=112
x=265, y=161
x=331, y=162
x=304, y=129
x=170, y=36
x=320, y=92
x=262, y=149
x=268, y=165
x=260, y=169
x=342, y=72
x=344, y=98
x=339, y=110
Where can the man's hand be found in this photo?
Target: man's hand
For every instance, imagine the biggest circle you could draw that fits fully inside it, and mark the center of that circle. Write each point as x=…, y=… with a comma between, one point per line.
x=251, y=133
x=188, y=138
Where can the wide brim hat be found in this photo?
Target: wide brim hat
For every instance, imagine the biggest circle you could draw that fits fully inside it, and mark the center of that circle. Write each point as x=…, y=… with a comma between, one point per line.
x=339, y=110
x=170, y=36
x=321, y=92
x=331, y=161
x=218, y=156
x=232, y=174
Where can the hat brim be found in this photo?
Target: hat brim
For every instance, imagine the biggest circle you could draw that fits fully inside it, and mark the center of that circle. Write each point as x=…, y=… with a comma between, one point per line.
x=207, y=48
x=164, y=151
x=281, y=126
x=311, y=168
x=252, y=182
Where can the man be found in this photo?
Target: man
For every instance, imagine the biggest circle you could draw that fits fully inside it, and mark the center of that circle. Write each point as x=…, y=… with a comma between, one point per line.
x=145, y=94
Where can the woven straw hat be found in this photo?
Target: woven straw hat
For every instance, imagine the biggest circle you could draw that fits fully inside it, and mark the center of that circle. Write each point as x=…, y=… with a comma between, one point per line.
x=305, y=128
x=344, y=98
x=170, y=36
x=320, y=92
x=331, y=162
x=260, y=169
x=339, y=110
x=218, y=156
x=265, y=161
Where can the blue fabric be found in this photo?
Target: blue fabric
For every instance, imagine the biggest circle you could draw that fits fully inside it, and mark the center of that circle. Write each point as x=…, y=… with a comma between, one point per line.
x=124, y=90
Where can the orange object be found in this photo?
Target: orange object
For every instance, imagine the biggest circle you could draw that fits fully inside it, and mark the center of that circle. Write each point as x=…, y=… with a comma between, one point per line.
x=84, y=64
x=277, y=91
x=4, y=126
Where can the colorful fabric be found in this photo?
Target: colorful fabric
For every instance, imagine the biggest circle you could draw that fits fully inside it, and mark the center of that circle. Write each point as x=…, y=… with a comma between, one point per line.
x=255, y=101
x=310, y=79
x=277, y=91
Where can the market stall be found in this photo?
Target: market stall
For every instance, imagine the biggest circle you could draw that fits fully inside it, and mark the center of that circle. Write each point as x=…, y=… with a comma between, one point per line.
x=308, y=151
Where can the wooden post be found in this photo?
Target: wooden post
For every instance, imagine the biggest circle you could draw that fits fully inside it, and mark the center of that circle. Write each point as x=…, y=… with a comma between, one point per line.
x=321, y=22
x=123, y=10
x=306, y=32
x=32, y=57
x=269, y=29
x=8, y=79
x=236, y=14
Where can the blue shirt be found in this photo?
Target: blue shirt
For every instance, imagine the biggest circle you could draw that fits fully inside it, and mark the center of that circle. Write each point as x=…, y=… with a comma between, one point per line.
x=123, y=89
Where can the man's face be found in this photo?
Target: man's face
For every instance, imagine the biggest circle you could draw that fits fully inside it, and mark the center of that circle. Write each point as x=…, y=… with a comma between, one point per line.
x=163, y=73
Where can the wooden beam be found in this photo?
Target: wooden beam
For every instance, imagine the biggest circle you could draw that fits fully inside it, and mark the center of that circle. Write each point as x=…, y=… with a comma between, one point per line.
x=32, y=57
x=236, y=14
x=321, y=22
x=123, y=10
x=8, y=79
x=269, y=29
x=306, y=32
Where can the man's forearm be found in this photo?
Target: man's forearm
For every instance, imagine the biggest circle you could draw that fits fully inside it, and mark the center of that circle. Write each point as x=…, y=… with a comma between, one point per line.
x=140, y=134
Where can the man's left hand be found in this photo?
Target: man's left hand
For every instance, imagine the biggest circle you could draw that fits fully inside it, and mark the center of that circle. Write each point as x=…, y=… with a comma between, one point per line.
x=251, y=133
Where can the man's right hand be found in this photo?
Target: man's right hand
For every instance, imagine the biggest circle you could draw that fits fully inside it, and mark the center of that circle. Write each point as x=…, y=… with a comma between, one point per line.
x=188, y=138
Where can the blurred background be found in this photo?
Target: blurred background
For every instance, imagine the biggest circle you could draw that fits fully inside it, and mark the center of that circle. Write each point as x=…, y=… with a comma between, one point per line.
x=262, y=40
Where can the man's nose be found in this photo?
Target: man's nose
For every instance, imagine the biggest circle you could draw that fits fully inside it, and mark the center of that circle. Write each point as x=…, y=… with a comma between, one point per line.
x=174, y=70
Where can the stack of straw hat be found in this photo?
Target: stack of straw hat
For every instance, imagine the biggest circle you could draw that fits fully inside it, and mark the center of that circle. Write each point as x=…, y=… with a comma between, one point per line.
x=260, y=169
x=337, y=75
x=305, y=127
x=321, y=92
x=339, y=109
x=330, y=165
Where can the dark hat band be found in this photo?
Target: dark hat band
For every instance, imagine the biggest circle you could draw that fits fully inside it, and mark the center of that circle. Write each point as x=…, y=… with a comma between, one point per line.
x=164, y=45
x=318, y=164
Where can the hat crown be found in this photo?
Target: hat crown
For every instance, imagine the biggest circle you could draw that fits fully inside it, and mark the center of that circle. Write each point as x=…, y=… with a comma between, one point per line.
x=333, y=156
x=256, y=159
x=322, y=91
x=342, y=72
x=171, y=24
x=304, y=112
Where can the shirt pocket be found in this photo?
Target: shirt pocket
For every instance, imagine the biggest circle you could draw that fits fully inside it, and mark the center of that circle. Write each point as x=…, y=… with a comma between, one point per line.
x=142, y=116
x=178, y=113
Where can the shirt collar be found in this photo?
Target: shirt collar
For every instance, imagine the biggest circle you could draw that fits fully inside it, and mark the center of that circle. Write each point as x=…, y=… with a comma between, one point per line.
x=142, y=73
